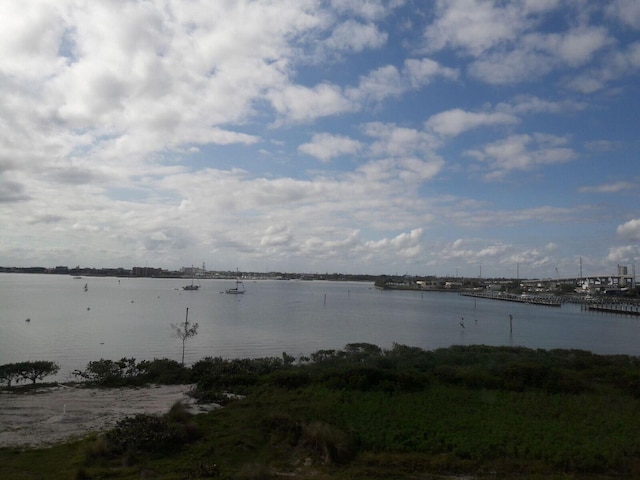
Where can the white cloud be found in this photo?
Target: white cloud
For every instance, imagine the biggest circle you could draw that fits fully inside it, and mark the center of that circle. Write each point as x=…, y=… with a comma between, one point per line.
x=277, y=236
x=379, y=84
x=388, y=81
x=602, y=145
x=574, y=48
x=354, y=36
x=454, y=122
x=580, y=45
x=298, y=104
x=619, y=64
x=325, y=146
x=477, y=251
x=608, y=187
x=630, y=229
x=624, y=254
x=625, y=11
x=474, y=250
x=30, y=35
x=370, y=10
x=406, y=245
x=526, y=104
x=395, y=141
x=537, y=54
x=419, y=73
x=474, y=26
x=521, y=153
x=511, y=67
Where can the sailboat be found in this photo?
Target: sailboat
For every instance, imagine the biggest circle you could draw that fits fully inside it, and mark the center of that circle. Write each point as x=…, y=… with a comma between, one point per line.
x=237, y=290
x=192, y=286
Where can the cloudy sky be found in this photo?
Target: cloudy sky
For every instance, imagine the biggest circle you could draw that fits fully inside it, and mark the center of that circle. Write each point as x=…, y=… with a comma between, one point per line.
x=422, y=137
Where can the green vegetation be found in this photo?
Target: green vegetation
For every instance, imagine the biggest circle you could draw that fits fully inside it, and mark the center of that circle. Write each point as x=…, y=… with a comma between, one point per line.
x=126, y=372
x=23, y=371
x=365, y=412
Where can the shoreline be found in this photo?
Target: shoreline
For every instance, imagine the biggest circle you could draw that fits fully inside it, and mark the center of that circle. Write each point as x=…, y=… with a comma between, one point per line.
x=61, y=413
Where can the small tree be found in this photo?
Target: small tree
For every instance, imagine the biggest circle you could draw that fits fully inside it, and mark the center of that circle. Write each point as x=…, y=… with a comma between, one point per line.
x=9, y=373
x=108, y=372
x=27, y=371
x=183, y=331
x=38, y=370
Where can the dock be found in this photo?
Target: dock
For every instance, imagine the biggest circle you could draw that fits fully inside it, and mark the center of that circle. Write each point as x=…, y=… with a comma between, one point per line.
x=508, y=297
x=620, y=309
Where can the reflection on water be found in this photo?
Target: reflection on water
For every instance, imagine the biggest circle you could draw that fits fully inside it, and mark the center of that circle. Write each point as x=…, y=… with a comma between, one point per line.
x=128, y=317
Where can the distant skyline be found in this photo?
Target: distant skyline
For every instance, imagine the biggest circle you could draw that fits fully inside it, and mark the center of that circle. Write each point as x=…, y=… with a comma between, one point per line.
x=438, y=137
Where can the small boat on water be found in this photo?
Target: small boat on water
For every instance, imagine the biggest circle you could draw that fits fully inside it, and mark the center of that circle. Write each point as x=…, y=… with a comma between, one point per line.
x=237, y=290
x=192, y=287
x=86, y=287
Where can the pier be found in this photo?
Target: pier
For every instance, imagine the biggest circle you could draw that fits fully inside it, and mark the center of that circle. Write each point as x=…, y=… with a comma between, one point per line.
x=546, y=301
x=618, y=308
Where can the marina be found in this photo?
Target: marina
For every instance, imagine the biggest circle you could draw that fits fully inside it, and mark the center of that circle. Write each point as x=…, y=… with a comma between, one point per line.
x=544, y=300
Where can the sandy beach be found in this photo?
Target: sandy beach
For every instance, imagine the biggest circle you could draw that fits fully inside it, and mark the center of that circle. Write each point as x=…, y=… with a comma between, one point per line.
x=59, y=413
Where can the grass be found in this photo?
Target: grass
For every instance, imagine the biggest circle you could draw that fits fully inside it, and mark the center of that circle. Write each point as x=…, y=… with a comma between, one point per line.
x=364, y=413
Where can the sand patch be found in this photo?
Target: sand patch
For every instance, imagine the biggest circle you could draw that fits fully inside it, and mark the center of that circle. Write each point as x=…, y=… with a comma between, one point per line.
x=61, y=413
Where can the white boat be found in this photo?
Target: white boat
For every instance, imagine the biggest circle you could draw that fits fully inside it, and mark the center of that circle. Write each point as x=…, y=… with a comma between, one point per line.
x=237, y=290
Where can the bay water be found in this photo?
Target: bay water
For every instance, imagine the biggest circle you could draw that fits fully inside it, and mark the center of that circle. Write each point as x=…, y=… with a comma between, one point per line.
x=132, y=317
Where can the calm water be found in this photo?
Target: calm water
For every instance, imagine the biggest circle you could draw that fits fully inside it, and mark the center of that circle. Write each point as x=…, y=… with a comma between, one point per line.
x=127, y=317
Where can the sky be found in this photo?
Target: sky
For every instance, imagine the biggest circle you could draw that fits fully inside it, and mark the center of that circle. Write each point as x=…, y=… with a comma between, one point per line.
x=444, y=137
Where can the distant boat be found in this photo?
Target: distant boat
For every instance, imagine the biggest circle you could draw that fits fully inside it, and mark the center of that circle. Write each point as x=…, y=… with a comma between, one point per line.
x=191, y=287
x=237, y=290
x=86, y=287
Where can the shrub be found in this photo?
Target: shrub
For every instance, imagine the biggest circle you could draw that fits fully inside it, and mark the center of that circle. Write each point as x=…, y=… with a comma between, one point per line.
x=282, y=427
x=330, y=443
x=9, y=373
x=164, y=371
x=109, y=373
x=151, y=433
x=522, y=375
x=218, y=372
x=290, y=379
x=98, y=449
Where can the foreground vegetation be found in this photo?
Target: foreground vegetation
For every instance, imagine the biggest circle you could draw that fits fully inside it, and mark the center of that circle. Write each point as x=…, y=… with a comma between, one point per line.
x=364, y=412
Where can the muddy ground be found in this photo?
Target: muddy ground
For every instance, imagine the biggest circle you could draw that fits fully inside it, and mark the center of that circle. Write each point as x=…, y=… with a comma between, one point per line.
x=59, y=413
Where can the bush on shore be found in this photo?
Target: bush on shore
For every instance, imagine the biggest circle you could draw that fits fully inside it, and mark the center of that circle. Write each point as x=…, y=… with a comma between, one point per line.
x=127, y=372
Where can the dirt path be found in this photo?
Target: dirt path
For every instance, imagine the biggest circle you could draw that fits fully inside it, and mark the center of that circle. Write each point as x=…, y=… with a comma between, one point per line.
x=61, y=413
